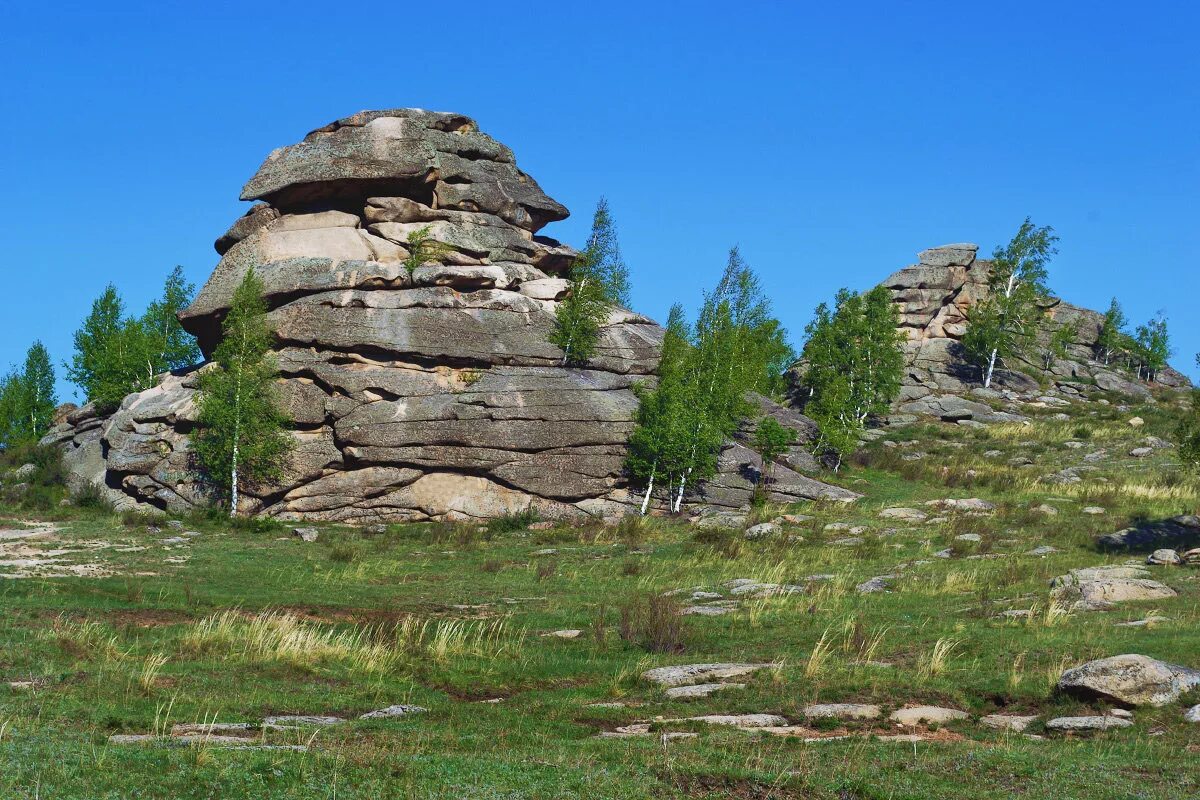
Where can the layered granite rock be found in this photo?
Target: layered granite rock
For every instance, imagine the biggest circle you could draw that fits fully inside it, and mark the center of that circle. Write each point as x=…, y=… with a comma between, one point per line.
x=934, y=298
x=434, y=394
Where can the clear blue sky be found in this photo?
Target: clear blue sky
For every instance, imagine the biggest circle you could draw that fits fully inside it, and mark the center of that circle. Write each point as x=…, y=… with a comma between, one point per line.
x=831, y=141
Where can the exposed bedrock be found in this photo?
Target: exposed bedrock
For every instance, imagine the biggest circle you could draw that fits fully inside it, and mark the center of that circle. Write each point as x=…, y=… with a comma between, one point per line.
x=934, y=298
x=434, y=394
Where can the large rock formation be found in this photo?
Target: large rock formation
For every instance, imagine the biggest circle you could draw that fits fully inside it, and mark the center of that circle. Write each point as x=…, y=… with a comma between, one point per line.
x=934, y=298
x=430, y=395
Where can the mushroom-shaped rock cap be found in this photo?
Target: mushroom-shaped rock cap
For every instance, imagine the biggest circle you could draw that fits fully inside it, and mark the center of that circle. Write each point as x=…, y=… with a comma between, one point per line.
x=439, y=159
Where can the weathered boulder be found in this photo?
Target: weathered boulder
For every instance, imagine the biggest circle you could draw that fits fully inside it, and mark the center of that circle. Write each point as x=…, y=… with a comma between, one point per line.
x=1130, y=679
x=430, y=393
x=934, y=298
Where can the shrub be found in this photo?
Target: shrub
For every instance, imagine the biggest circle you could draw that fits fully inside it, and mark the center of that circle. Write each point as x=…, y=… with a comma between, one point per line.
x=652, y=622
x=343, y=553
x=513, y=522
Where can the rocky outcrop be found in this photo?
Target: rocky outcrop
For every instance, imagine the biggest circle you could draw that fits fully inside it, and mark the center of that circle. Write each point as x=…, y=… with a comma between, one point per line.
x=934, y=298
x=434, y=394
x=1130, y=679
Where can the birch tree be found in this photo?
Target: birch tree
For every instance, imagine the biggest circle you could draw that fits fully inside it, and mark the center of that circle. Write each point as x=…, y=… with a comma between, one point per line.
x=1005, y=324
x=1152, y=347
x=27, y=399
x=242, y=438
x=853, y=366
x=1113, y=337
x=599, y=282
x=734, y=347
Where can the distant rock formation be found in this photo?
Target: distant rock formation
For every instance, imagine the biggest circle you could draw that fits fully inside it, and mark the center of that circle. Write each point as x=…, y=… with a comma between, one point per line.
x=934, y=298
x=435, y=395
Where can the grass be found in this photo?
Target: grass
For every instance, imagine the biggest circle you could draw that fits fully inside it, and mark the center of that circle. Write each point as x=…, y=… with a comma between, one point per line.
x=238, y=625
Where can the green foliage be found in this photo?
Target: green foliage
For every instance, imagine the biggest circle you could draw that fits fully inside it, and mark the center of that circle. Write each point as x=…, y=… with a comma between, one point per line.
x=241, y=439
x=169, y=346
x=1152, y=348
x=771, y=440
x=735, y=347
x=1113, y=337
x=1059, y=343
x=27, y=399
x=599, y=281
x=605, y=253
x=1005, y=324
x=422, y=249
x=117, y=355
x=853, y=365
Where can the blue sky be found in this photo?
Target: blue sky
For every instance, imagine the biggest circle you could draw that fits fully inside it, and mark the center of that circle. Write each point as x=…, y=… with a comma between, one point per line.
x=831, y=141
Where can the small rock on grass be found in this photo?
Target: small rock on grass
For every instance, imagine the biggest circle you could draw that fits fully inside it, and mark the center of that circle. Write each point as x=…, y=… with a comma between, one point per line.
x=1069, y=724
x=688, y=674
x=700, y=690
x=1192, y=714
x=566, y=633
x=762, y=531
x=1008, y=722
x=1131, y=679
x=842, y=711
x=305, y=534
x=1164, y=557
x=300, y=720
x=740, y=720
x=394, y=711
x=910, y=514
x=911, y=717
x=1094, y=511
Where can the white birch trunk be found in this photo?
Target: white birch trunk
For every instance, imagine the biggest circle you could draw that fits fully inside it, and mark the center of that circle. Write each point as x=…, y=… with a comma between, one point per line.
x=987, y=381
x=649, y=489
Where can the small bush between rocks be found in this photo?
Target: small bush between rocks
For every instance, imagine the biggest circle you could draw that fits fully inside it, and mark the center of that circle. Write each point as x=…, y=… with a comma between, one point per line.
x=652, y=622
x=513, y=522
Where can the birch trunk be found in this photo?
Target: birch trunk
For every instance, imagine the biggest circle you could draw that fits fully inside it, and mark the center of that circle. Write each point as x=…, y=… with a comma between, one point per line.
x=649, y=489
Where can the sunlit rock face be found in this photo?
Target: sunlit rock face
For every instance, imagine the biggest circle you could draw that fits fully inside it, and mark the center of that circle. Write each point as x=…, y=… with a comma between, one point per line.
x=428, y=395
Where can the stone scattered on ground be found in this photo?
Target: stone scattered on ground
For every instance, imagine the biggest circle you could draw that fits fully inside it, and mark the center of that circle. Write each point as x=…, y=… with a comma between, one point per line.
x=700, y=690
x=1076, y=724
x=306, y=534
x=880, y=583
x=738, y=720
x=1164, y=557
x=688, y=674
x=566, y=633
x=970, y=505
x=1042, y=550
x=394, y=711
x=1192, y=714
x=1099, y=588
x=1008, y=722
x=300, y=720
x=1093, y=510
x=762, y=530
x=906, y=514
x=918, y=715
x=850, y=711
x=1130, y=679
x=1177, y=532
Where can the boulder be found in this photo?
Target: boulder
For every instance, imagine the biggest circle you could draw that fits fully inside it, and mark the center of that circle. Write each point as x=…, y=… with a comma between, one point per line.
x=430, y=393
x=1131, y=680
x=688, y=674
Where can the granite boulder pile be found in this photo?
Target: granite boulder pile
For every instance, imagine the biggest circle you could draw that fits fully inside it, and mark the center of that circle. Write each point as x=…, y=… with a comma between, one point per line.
x=414, y=396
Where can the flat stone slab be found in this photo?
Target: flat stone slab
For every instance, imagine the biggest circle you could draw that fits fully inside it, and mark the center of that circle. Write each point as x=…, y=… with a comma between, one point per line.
x=687, y=674
x=700, y=690
x=1068, y=724
x=1008, y=722
x=395, y=711
x=917, y=715
x=300, y=720
x=842, y=711
x=1131, y=679
x=910, y=514
x=739, y=720
x=706, y=611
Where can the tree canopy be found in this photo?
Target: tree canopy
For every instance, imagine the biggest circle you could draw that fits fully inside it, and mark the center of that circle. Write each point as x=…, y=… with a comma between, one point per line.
x=599, y=282
x=853, y=365
x=27, y=399
x=242, y=439
x=116, y=355
x=734, y=347
x=1006, y=322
